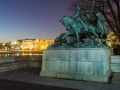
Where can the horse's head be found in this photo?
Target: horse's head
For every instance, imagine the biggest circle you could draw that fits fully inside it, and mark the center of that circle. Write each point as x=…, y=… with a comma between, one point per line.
x=61, y=20
x=98, y=15
x=64, y=20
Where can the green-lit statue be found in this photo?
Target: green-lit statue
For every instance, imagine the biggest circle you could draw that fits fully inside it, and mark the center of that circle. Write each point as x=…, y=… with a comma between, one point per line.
x=82, y=31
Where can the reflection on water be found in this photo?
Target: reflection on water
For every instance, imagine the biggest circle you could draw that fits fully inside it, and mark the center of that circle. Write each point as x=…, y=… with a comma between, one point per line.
x=19, y=54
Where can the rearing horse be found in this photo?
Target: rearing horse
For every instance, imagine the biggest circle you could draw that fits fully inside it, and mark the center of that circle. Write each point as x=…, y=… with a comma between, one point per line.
x=75, y=27
x=71, y=26
x=100, y=25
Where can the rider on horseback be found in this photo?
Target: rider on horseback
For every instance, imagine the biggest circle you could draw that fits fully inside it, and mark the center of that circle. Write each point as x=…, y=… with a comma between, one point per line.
x=81, y=18
x=102, y=20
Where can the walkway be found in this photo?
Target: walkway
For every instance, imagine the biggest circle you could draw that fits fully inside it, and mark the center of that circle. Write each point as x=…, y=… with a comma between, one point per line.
x=29, y=79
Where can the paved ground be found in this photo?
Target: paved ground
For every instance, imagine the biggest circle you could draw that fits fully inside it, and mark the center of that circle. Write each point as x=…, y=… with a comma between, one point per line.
x=28, y=79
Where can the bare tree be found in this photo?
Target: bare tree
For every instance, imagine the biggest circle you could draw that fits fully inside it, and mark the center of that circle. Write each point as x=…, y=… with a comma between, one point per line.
x=109, y=8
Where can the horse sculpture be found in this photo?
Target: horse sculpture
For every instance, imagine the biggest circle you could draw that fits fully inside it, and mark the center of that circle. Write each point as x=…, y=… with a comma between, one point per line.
x=74, y=27
x=101, y=26
x=83, y=31
x=71, y=26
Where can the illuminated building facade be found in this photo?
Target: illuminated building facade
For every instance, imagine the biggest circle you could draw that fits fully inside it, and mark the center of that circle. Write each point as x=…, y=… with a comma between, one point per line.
x=45, y=43
x=33, y=44
x=26, y=44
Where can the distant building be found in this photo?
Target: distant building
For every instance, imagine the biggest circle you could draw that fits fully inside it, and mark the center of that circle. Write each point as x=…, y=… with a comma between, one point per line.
x=50, y=42
x=27, y=44
x=31, y=44
x=45, y=43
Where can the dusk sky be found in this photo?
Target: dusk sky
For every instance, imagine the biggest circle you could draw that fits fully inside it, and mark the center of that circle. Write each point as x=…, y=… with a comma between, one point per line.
x=33, y=19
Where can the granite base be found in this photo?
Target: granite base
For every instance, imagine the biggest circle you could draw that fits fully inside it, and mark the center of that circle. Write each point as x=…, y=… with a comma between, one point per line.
x=91, y=64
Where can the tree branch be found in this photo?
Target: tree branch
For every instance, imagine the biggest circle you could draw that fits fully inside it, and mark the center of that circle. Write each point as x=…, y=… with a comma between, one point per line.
x=113, y=14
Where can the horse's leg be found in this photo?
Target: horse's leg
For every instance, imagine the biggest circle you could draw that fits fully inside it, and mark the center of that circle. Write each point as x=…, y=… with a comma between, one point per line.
x=101, y=36
x=95, y=34
x=77, y=35
x=93, y=31
x=67, y=33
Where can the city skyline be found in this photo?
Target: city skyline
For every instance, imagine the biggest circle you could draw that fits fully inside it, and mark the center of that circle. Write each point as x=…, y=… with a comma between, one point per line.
x=21, y=19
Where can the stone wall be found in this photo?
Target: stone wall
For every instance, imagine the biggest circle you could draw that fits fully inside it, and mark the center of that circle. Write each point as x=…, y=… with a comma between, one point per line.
x=11, y=63
x=115, y=63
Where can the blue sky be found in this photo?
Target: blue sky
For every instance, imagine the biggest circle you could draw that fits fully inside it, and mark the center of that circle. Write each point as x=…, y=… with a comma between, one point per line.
x=21, y=19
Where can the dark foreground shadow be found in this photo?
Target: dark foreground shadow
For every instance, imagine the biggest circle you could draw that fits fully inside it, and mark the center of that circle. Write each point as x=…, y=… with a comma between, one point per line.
x=16, y=85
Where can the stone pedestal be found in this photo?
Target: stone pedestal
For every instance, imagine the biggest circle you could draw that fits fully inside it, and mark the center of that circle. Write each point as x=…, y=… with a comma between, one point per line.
x=115, y=63
x=91, y=64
